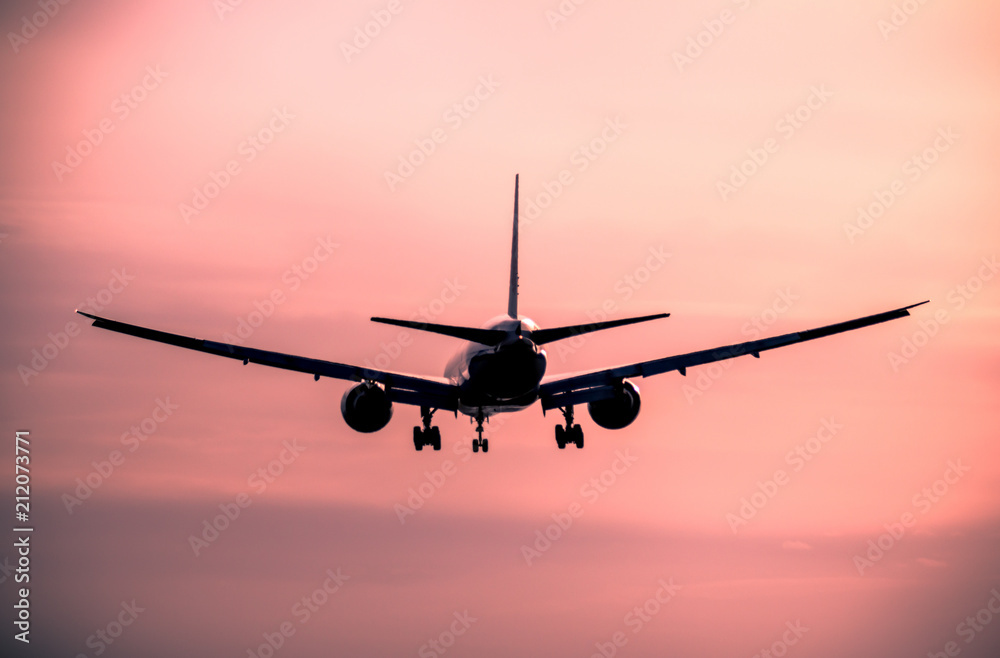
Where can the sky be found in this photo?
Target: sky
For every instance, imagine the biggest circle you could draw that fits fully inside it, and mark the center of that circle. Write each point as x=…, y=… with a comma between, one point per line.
x=278, y=174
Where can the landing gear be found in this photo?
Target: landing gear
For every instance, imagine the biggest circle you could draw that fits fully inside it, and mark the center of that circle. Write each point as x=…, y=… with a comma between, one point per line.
x=480, y=442
x=426, y=435
x=570, y=433
x=429, y=437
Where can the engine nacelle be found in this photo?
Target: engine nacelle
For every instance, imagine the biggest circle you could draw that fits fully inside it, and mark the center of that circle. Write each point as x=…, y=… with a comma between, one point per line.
x=366, y=407
x=619, y=411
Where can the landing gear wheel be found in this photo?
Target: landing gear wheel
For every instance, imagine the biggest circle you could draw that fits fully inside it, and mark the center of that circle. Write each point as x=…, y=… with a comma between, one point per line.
x=479, y=441
x=570, y=433
x=428, y=435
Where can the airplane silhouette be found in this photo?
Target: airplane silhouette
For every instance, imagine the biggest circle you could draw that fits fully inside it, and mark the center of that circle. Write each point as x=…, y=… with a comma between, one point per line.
x=500, y=369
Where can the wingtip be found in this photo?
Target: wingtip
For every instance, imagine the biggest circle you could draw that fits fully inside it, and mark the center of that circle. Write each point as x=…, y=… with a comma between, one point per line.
x=906, y=309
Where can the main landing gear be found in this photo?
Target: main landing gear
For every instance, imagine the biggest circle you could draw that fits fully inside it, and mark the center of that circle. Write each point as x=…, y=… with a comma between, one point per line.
x=480, y=442
x=427, y=435
x=570, y=433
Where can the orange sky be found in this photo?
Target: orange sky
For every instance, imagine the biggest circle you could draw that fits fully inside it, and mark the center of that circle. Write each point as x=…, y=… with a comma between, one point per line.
x=712, y=161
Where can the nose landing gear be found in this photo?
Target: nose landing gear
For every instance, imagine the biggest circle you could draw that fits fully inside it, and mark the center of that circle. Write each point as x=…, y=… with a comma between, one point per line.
x=480, y=442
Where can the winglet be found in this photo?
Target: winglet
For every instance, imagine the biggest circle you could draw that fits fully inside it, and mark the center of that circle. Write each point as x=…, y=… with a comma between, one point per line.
x=512, y=293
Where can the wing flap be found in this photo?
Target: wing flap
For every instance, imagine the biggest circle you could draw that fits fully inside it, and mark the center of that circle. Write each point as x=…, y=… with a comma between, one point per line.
x=423, y=399
x=578, y=396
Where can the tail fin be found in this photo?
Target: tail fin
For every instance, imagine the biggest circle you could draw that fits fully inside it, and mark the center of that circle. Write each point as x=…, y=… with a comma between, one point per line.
x=512, y=293
x=496, y=336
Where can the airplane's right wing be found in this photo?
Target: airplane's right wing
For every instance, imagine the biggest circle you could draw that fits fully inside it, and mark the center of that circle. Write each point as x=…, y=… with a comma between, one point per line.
x=601, y=384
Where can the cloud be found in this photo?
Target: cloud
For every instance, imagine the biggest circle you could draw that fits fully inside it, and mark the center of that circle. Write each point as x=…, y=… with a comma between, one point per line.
x=933, y=564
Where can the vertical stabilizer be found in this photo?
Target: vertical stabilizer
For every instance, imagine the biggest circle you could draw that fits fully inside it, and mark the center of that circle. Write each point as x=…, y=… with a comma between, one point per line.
x=512, y=294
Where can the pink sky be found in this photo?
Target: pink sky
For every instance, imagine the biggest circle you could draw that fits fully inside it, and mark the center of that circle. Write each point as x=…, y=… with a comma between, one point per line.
x=912, y=402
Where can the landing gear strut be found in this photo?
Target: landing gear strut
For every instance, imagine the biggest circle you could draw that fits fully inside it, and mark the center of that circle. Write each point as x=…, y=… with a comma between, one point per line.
x=480, y=442
x=426, y=435
x=570, y=433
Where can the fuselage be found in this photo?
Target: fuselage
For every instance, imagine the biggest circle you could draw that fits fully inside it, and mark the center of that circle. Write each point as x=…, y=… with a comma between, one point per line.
x=500, y=378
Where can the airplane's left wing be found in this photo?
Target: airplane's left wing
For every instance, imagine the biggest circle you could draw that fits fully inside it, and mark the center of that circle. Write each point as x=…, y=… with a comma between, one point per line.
x=405, y=389
x=602, y=384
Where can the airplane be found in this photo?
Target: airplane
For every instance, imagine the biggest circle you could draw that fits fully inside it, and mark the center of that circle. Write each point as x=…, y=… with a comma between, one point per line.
x=500, y=369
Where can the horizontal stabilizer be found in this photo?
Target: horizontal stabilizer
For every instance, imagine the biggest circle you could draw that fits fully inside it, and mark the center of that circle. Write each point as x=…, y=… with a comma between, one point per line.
x=543, y=336
x=482, y=336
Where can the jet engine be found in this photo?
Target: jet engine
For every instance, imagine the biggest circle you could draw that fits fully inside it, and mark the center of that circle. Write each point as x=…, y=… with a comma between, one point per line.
x=366, y=407
x=618, y=411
